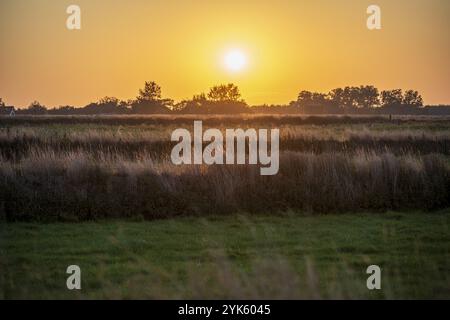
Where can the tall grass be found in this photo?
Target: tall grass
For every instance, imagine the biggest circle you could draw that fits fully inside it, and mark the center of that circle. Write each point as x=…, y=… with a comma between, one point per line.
x=217, y=120
x=85, y=168
x=133, y=142
x=76, y=186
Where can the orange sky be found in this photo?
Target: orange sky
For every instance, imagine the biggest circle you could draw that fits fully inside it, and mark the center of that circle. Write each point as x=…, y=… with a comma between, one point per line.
x=290, y=45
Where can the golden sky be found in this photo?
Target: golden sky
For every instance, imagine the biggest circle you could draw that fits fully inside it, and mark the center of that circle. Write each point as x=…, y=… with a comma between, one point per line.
x=289, y=45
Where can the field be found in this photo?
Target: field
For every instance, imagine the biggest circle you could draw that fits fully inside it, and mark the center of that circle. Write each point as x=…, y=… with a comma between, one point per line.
x=87, y=168
x=290, y=257
x=101, y=192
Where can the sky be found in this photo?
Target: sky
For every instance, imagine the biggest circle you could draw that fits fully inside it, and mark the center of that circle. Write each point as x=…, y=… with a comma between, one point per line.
x=287, y=45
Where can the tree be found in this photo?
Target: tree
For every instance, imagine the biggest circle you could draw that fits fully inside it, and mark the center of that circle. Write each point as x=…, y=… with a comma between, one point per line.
x=366, y=96
x=307, y=99
x=221, y=99
x=316, y=102
x=222, y=93
x=62, y=110
x=149, y=100
x=198, y=104
x=304, y=97
x=109, y=100
x=391, y=97
x=337, y=96
x=150, y=92
x=36, y=108
x=356, y=97
x=2, y=104
x=199, y=98
x=349, y=97
x=412, y=98
x=110, y=105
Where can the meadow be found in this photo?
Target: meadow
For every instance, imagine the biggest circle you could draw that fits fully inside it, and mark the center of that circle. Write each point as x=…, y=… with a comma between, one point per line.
x=87, y=168
x=234, y=257
x=102, y=193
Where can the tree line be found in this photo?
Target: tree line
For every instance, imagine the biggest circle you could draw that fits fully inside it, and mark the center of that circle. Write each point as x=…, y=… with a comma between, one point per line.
x=358, y=99
x=227, y=99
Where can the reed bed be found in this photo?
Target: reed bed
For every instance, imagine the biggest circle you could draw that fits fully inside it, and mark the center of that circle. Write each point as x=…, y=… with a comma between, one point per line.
x=88, y=168
x=76, y=186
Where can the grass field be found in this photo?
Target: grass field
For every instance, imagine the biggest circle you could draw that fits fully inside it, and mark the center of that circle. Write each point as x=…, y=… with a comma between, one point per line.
x=289, y=256
x=68, y=169
x=102, y=193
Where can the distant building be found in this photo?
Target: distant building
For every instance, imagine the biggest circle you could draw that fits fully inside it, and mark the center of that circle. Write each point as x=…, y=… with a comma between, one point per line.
x=8, y=111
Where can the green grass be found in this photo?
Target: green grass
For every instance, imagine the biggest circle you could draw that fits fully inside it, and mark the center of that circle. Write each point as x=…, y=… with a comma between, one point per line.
x=287, y=256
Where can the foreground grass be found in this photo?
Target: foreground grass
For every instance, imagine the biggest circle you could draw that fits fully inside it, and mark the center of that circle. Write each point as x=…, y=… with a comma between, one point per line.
x=231, y=257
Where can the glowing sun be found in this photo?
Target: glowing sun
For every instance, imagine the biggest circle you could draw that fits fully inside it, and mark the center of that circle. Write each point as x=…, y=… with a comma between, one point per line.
x=235, y=60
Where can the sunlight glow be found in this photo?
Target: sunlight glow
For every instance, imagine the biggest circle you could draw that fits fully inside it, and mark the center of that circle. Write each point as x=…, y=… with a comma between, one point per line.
x=235, y=60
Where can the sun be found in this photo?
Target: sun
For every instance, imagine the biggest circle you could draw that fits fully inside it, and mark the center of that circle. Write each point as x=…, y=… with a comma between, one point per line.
x=235, y=60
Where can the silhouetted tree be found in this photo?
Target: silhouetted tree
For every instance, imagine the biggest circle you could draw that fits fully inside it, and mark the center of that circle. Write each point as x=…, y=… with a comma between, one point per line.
x=307, y=98
x=149, y=100
x=109, y=100
x=412, y=98
x=36, y=108
x=201, y=98
x=226, y=99
x=222, y=99
x=304, y=97
x=312, y=99
x=391, y=97
x=106, y=105
x=109, y=105
x=228, y=92
x=337, y=96
x=349, y=97
x=198, y=104
x=150, y=92
x=315, y=102
x=355, y=97
x=65, y=110
x=366, y=96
